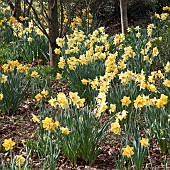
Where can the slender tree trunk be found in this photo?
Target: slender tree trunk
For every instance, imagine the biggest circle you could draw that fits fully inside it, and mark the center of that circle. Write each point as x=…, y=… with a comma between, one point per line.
x=124, y=18
x=11, y=6
x=17, y=10
x=53, y=29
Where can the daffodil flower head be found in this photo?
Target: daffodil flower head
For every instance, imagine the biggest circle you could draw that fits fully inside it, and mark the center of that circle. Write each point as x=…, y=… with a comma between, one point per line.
x=19, y=160
x=144, y=142
x=128, y=151
x=8, y=144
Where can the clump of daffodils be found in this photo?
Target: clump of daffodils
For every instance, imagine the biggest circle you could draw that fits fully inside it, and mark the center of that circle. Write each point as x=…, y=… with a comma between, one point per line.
x=12, y=65
x=49, y=125
x=63, y=101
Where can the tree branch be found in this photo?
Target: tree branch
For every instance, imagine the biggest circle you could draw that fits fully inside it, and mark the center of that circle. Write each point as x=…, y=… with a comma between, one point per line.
x=40, y=26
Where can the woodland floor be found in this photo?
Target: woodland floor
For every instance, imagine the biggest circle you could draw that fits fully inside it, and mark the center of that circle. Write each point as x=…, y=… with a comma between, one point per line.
x=20, y=126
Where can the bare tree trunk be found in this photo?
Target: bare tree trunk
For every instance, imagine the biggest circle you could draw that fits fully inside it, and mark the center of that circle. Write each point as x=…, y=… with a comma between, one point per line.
x=124, y=19
x=53, y=29
x=17, y=10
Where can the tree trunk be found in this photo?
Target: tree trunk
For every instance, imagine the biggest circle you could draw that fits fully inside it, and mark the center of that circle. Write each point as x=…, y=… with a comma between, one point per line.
x=53, y=29
x=124, y=19
x=17, y=10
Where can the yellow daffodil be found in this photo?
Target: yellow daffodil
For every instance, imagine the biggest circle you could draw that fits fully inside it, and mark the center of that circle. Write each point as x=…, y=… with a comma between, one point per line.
x=164, y=98
x=53, y=102
x=34, y=74
x=60, y=42
x=23, y=141
x=162, y=101
x=8, y=144
x=57, y=51
x=166, y=83
x=61, y=63
x=3, y=78
x=115, y=127
x=29, y=39
x=112, y=108
x=164, y=16
x=35, y=118
x=138, y=35
x=58, y=76
x=65, y=130
x=167, y=67
x=128, y=151
x=121, y=115
x=139, y=102
x=126, y=101
x=44, y=93
x=84, y=81
x=19, y=160
x=74, y=97
x=49, y=125
x=144, y=142
x=166, y=8
x=1, y=96
x=38, y=97
x=80, y=103
x=155, y=51
x=62, y=100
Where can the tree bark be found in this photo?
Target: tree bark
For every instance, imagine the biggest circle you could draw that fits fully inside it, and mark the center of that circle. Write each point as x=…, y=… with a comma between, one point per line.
x=17, y=10
x=53, y=25
x=11, y=6
x=124, y=18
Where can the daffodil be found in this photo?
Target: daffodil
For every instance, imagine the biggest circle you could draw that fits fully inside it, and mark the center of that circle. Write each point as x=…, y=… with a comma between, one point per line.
x=112, y=108
x=128, y=151
x=62, y=100
x=126, y=101
x=29, y=39
x=34, y=74
x=1, y=96
x=121, y=115
x=35, y=118
x=167, y=67
x=65, y=130
x=53, y=102
x=166, y=83
x=155, y=51
x=139, y=102
x=58, y=76
x=44, y=93
x=3, y=78
x=47, y=123
x=57, y=51
x=38, y=97
x=61, y=63
x=115, y=127
x=84, y=81
x=19, y=160
x=138, y=34
x=144, y=142
x=8, y=144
